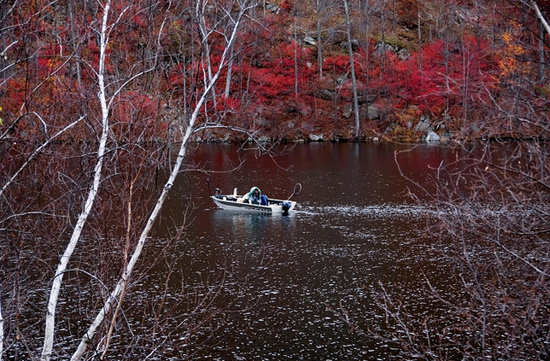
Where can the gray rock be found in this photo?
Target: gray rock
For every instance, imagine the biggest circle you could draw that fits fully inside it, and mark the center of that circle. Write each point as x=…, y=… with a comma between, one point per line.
x=432, y=137
x=341, y=80
x=373, y=112
x=309, y=40
x=273, y=8
x=403, y=54
x=445, y=136
x=348, y=108
x=368, y=99
x=423, y=125
x=354, y=45
x=326, y=94
x=307, y=127
x=315, y=137
x=381, y=48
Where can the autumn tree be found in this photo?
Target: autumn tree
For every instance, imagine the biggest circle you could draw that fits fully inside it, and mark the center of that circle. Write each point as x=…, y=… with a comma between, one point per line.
x=492, y=228
x=86, y=75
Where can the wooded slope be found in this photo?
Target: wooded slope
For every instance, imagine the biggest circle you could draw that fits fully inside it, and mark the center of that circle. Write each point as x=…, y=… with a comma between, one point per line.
x=464, y=69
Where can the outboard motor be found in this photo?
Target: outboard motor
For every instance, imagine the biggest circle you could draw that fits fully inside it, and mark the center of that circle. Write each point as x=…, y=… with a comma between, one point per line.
x=286, y=206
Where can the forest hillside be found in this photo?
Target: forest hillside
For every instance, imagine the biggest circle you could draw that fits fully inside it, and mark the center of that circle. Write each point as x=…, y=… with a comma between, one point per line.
x=299, y=70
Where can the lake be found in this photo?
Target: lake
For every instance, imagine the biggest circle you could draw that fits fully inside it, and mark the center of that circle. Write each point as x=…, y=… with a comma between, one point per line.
x=304, y=286
x=374, y=263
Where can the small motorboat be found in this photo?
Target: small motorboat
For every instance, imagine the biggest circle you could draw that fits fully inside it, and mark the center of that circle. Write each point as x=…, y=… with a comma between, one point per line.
x=236, y=202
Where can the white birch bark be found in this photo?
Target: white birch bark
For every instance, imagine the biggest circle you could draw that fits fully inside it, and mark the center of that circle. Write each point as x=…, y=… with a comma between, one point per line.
x=229, y=71
x=319, y=38
x=115, y=294
x=199, y=13
x=540, y=16
x=75, y=237
x=352, y=65
x=295, y=59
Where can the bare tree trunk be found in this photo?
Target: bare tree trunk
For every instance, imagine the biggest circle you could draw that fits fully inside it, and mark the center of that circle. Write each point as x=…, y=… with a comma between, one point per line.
x=540, y=16
x=229, y=70
x=295, y=58
x=383, y=42
x=367, y=45
x=76, y=46
x=75, y=237
x=542, y=62
x=352, y=65
x=205, y=34
x=319, y=39
x=447, y=14
x=115, y=295
x=419, y=25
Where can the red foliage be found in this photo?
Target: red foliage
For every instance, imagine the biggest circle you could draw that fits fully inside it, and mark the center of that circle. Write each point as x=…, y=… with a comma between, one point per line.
x=135, y=115
x=336, y=64
x=441, y=75
x=135, y=106
x=228, y=104
x=287, y=5
x=15, y=95
x=271, y=75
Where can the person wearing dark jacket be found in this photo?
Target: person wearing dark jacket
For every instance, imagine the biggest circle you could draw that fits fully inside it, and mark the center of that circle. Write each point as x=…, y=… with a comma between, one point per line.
x=255, y=196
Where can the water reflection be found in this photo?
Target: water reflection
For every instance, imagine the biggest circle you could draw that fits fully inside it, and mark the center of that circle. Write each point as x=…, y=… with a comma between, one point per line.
x=352, y=228
x=297, y=269
x=250, y=227
x=271, y=287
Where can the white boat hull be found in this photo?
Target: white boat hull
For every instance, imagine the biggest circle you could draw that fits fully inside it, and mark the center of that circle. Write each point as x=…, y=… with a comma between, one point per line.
x=231, y=203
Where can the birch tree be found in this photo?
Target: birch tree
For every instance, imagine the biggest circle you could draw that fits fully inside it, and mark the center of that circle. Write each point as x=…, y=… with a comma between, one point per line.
x=109, y=77
x=540, y=16
x=320, y=8
x=544, y=28
x=12, y=63
x=92, y=193
x=210, y=82
x=205, y=33
x=105, y=101
x=352, y=70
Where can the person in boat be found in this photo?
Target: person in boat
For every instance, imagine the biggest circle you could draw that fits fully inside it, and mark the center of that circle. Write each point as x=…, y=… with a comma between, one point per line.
x=255, y=196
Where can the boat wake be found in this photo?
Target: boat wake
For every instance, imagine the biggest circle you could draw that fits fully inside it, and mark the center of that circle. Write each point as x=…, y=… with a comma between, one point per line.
x=373, y=211
x=415, y=211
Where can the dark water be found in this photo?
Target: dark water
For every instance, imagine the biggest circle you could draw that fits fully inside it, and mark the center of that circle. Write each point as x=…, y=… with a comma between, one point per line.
x=359, y=271
x=304, y=286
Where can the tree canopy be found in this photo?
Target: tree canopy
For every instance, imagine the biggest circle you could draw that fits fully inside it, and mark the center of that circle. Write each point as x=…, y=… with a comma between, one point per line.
x=456, y=63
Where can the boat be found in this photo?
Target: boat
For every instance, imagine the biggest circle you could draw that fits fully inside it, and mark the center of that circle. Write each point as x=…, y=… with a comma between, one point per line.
x=236, y=202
